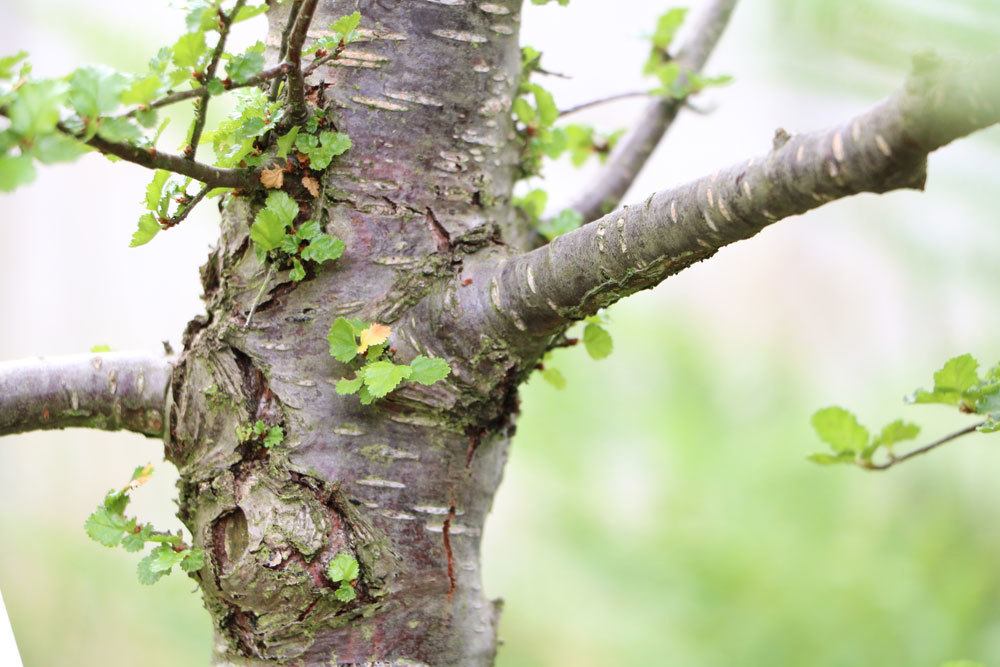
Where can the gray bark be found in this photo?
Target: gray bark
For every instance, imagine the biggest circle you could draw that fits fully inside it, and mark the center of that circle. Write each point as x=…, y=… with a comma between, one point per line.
x=423, y=201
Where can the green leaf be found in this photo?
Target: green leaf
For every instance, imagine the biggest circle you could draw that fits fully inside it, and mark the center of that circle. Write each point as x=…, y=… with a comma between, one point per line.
x=269, y=225
x=554, y=377
x=897, y=431
x=533, y=203
x=35, y=109
x=249, y=11
x=119, y=130
x=342, y=567
x=100, y=348
x=194, y=560
x=154, y=191
x=275, y=436
x=597, y=340
x=148, y=228
x=95, y=91
x=188, y=49
x=428, y=370
x=822, y=458
x=957, y=374
x=144, y=571
x=322, y=150
x=7, y=64
x=345, y=592
x=345, y=386
x=298, y=272
x=251, y=62
x=164, y=558
x=346, y=25
x=15, y=171
x=667, y=26
x=381, y=377
x=840, y=429
x=106, y=527
x=53, y=148
x=143, y=90
x=287, y=140
x=133, y=541
x=343, y=343
x=322, y=248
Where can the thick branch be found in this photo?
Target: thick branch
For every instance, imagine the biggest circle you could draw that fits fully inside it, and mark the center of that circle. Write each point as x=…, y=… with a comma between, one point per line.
x=636, y=247
x=298, y=111
x=630, y=155
x=109, y=391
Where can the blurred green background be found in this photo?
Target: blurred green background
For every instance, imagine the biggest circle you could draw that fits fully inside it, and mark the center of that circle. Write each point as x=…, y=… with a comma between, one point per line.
x=659, y=510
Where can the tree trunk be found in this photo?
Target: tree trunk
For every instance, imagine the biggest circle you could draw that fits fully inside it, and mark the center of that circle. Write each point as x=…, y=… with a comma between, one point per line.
x=404, y=484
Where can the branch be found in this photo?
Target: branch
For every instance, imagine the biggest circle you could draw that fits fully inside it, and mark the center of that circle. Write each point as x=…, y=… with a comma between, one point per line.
x=636, y=247
x=298, y=112
x=186, y=208
x=275, y=72
x=293, y=13
x=895, y=460
x=630, y=155
x=112, y=391
x=201, y=103
x=602, y=100
x=151, y=158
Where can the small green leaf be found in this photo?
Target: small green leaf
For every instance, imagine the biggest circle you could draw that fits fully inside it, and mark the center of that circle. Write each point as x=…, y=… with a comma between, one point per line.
x=958, y=374
x=194, y=560
x=95, y=91
x=53, y=148
x=147, y=576
x=897, y=431
x=143, y=90
x=562, y=223
x=342, y=567
x=597, y=340
x=154, y=191
x=343, y=343
x=345, y=592
x=323, y=248
x=381, y=377
x=269, y=225
x=96, y=349
x=346, y=25
x=35, y=109
x=106, y=527
x=148, y=228
x=275, y=436
x=242, y=67
x=822, y=458
x=554, y=377
x=7, y=64
x=667, y=26
x=15, y=171
x=298, y=272
x=187, y=51
x=287, y=140
x=428, y=370
x=164, y=558
x=118, y=130
x=345, y=386
x=840, y=429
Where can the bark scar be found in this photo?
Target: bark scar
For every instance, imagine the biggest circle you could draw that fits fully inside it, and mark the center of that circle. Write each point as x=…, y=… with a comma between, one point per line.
x=441, y=235
x=447, y=549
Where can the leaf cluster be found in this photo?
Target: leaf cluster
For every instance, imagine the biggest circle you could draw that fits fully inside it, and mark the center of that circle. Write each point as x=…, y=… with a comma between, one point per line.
x=109, y=526
x=276, y=236
x=365, y=346
x=265, y=435
x=343, y=569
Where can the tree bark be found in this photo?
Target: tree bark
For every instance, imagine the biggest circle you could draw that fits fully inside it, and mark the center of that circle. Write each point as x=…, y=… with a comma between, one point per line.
x=404, y=485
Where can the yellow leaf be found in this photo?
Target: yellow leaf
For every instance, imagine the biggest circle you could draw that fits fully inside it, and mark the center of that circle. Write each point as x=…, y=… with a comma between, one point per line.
x=140, y=477
x=311, y=184
x=272, y=178
x=375, y=334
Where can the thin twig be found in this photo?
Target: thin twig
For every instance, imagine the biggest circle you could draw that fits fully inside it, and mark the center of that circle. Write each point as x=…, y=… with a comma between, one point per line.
x=293, y=14
x=296, y=100
x=895, y=460
x=186, y=209
x=604, y=100
x=201, y=103
x=275, y=72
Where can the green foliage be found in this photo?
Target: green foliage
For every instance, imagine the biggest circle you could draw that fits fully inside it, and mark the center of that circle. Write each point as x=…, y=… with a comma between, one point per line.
x=957, y=383
x=322, y=149
x=533, y=203
x=264, y=434
x=343, y=569
x=344, y=31
x=673, y=82
x=108, y=525
x=243, y=67
x=275, y=236
x=597, y=340
x=376, y=374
